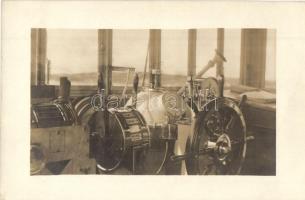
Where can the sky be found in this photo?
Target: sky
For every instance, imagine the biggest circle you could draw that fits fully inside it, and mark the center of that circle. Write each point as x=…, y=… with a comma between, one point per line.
x=75, y=51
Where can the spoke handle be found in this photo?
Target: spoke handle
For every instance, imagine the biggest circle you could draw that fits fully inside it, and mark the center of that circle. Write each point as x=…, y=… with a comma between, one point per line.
x=249, y=138
x=242, y=101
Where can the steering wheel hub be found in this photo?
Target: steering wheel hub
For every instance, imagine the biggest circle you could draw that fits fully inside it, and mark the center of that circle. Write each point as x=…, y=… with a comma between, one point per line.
x=223, y=147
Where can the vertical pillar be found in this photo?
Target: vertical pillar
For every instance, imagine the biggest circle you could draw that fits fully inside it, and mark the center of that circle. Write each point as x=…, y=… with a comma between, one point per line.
x=104, y=79
x=38, y=56
x=253, y=57
x=220, y=48
x=34, y=53
x=192, y=38
x=105, y=59
x=155, y=57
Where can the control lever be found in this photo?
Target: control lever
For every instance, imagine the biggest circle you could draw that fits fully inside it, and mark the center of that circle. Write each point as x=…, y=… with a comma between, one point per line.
x=100, y=83
x=242, y=101
x=218, y=58
x=135, y=89
x=249, y=138
x=64, y=89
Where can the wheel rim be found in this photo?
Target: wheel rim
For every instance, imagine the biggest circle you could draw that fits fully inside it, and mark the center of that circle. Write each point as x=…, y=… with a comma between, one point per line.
x=219, y=142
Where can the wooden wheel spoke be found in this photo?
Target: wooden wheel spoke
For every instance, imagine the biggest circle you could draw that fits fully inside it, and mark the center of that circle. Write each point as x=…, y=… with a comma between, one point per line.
x=230, y=123
x=237, y=142
x=204, y=151
x=222, y=138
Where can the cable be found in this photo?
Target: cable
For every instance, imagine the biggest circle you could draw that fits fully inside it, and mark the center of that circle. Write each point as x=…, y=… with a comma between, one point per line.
x=164, y=159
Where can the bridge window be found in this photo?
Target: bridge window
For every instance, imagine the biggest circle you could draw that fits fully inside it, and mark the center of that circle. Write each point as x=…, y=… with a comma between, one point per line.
x=129, y=50
x=72, y=53
x=206, y=45
x=174, y=45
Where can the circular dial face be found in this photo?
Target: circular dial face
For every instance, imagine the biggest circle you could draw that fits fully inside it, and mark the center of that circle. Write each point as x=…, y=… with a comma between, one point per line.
x=174, y=104
x=210, y=88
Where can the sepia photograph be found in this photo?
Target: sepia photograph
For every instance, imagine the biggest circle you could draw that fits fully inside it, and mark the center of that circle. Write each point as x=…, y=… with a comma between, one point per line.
x=196, y=101
x=156, y=100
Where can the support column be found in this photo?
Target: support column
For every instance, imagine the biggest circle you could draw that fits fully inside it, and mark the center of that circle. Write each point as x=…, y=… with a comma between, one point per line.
x=38, y=56
x=253, y=57
x=155, y=57
x=192, y=38
x=105, y=60
x=220, y=48
x=104, y=79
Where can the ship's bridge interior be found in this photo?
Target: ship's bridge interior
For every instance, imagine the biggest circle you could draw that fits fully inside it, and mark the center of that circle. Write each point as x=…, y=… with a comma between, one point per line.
x=102, y=101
